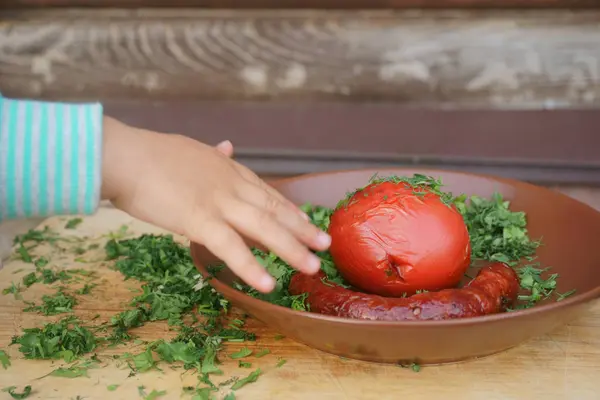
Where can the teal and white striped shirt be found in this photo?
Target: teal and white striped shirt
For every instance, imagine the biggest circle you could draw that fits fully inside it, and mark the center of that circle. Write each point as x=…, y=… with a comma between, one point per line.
x=50, y=158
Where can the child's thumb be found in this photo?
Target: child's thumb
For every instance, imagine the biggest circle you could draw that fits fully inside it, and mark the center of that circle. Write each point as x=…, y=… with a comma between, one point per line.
x=225, y=147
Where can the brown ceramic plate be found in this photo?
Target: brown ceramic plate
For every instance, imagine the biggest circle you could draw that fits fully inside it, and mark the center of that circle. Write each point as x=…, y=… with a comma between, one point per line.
x=571, y=238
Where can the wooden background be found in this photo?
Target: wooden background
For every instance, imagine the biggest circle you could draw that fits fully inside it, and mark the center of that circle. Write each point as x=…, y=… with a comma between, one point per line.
x=503, y=91
x=342, y=4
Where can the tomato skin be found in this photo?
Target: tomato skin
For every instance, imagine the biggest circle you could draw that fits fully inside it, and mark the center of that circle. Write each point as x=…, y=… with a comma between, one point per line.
x=391, y=239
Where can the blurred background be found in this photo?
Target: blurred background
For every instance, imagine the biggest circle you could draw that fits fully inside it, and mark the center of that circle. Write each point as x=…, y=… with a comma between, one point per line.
x=505, y=87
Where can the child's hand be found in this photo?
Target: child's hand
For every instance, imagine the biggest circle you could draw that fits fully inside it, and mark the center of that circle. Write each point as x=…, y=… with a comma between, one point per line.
x=193, y=189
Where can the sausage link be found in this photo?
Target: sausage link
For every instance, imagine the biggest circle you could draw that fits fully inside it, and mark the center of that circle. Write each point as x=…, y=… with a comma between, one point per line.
x=495, y=287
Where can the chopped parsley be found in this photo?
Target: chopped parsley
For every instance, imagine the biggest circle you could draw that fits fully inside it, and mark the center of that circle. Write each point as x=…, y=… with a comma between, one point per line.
x=78, y=369
x=57, y=303
x=4, y=359
x=262, y=353
x=86, y=289
x=413, y=366
x=153, y=395
x=420, y=184
x=64, y=339
x=15, y=395
x=497, y=233
x=253, y=377
x=280, y=363
x=14, y=289
x=73, y=223
x=245, y=352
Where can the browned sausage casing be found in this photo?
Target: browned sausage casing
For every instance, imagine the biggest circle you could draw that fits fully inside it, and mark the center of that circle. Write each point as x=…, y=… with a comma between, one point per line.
x=495, y=288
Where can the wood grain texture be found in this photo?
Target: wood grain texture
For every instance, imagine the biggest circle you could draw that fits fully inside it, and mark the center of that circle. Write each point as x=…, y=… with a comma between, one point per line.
x=336, y=4
x=443, y=59
x=562, y=365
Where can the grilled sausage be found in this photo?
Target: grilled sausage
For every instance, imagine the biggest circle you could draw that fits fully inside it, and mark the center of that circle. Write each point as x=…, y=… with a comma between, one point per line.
x=493, y=289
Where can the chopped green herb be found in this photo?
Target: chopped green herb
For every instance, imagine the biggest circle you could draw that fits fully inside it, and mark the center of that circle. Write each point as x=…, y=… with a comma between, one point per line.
x=230, y=396
x=279, y=337
x=154, y=394
x=280, y=363
x=74, y=371
x=420, y=184
x=170, y=278
x=497, y=233
x=565, y=295
x=50, y=276
x=538, y=287
x=245, y=352
x=262, y=353
x=23, y=395
x=120, y=233
x=86, y=289
x=24, y=253
x=14, y=289
x=203, y=393
x=142, y=362
x=30, y=279
x=73, y=223
x=54, y=304
x=171, y=289
x=64, y=339
x=253, y=377
x=244, y=364
x=79, y=250
x=413, y=366
x=4, y=359
x=41, y=262
x=112, y=388
x=189, y=353
x=126, y=320
x=210, y=359
x=37, y=235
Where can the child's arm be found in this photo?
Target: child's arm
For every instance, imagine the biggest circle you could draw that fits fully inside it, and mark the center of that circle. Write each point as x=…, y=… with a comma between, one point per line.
x=63, y=158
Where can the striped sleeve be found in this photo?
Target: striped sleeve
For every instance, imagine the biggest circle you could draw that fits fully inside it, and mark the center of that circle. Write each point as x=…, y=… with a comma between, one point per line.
x=50, y=158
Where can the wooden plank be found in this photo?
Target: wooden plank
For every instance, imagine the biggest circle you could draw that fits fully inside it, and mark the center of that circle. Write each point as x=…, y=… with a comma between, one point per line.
x=329, y=4
x=288, y=139
x=558, y=366
x=440, y=59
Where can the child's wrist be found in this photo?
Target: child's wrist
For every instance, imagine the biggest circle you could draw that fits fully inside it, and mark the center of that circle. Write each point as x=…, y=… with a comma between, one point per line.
x=116, y=144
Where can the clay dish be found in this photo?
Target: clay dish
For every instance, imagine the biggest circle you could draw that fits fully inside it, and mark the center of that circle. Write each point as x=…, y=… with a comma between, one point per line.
x=570, y=231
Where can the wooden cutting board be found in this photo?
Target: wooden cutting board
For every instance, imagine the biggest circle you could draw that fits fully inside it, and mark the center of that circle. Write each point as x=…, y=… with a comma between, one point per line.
x=562, y=365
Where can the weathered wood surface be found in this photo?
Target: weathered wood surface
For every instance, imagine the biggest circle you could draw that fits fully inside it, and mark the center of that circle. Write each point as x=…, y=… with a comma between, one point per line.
x=342, y=4
x=503, y=59
x=562, y=365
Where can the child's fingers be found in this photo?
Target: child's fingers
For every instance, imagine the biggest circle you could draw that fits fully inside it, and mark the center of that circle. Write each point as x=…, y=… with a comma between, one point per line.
x=274, y=192
x=225, y=243
x=253, y=179
x=262, y=225
x=287, y=214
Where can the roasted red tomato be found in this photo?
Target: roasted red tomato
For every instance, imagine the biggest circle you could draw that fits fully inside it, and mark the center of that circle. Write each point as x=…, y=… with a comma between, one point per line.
x=392, y=238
